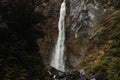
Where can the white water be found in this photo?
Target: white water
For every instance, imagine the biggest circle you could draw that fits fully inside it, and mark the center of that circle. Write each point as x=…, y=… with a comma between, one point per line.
x=58, y=54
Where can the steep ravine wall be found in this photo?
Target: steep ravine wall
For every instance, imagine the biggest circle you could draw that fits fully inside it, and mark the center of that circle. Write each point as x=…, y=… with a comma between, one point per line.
x=82, y=17
x=79, y=27
x=81, y=21
x=84, y=24
x=50, y=28
x=92, y=42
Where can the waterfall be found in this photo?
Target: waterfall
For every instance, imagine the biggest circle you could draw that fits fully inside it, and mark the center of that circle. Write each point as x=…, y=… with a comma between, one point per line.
x=58, y=53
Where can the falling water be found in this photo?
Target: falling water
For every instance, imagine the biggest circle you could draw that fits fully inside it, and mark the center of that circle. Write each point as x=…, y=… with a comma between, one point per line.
x=58, y=54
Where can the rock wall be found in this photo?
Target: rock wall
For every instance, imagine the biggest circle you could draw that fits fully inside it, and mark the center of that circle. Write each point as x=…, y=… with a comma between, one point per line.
x=80, y=19
x=50, y=28
x=83, y=15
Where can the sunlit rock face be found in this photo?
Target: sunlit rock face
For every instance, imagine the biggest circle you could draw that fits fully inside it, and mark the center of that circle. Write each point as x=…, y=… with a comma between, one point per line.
x=83, y=15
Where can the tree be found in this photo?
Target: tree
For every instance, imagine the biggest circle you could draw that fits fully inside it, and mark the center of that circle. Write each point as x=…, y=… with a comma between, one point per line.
x=19, y=56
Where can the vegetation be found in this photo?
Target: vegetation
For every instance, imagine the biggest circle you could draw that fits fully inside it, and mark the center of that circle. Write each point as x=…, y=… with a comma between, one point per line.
x=104, y=61
x=19, y=56
x=108, y=67
x=110, y=3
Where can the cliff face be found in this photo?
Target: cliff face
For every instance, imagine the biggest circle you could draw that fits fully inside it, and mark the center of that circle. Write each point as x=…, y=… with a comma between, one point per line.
x=82, y=24
x=83, y=15
x=80, y=18
x=50, y=28
x=92, y=37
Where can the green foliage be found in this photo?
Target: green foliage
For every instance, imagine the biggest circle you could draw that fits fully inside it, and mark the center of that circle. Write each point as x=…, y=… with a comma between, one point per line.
x=109, y=66
x=109, y=3
x=115, y=44
x=19, y=56
x=100, y=72
x=114, y=52
x=108, y=69
x=102, y=37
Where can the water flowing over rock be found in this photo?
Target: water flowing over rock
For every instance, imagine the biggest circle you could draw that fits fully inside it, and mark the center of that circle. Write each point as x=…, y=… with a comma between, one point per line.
x=83, y=16
x=70, y=75
x=58, y=54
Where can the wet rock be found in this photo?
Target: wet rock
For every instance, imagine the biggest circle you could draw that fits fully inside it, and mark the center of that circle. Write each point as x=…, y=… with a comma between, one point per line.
x=82, y=72
x=70, y=75
x=61, y=75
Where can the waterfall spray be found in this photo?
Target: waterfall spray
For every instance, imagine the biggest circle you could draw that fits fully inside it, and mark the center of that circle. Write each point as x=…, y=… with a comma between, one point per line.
x=58, y=54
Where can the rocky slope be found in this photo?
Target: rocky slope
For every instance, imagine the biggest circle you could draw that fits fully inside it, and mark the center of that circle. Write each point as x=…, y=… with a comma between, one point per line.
x=82, y=14
x=29, y=30
x=103, y=59
x=80, y=17
x=86, y=43
x=82, y=23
